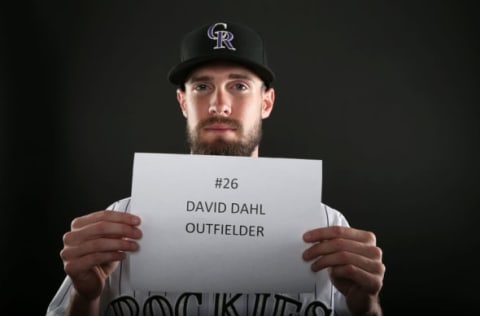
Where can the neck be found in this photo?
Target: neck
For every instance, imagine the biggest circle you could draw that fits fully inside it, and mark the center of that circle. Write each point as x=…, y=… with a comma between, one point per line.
x=255, y=152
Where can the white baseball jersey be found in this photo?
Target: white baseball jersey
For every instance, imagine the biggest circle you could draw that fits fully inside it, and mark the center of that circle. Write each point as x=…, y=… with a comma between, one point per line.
x=120, y=299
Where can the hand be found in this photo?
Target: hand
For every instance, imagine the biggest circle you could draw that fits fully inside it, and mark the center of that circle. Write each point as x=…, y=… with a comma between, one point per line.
x=354, y=263
x=93, y=247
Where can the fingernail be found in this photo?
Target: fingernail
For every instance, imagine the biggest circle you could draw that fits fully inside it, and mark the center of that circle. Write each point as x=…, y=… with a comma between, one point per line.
x=306, y=236
x=135, y=220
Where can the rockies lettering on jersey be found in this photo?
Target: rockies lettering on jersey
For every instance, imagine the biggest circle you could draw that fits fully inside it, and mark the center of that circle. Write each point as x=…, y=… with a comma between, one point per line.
x=158, y=305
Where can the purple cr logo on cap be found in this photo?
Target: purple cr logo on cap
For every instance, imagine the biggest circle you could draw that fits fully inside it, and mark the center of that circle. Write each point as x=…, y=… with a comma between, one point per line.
x=223, y=37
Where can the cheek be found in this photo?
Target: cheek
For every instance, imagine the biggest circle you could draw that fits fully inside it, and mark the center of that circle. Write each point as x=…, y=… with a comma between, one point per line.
x=191, y=111
x=251, y=112
x=249, y=120
x=193, y=116
x=196, y=107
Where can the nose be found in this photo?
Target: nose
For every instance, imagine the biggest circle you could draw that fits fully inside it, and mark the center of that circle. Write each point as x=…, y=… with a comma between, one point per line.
x=220, y=103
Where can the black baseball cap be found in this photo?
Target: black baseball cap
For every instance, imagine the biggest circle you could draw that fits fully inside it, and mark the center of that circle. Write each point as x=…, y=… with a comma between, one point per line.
x=222, y=41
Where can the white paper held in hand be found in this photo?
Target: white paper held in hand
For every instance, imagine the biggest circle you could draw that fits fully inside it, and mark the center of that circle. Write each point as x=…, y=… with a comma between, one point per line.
x=224, y=224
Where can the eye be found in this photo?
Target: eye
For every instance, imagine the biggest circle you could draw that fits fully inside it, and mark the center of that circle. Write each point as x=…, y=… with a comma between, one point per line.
x=240, y=86
x=200, y=87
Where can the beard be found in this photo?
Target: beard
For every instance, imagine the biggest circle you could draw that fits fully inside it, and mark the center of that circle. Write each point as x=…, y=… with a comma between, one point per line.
x=220, y=146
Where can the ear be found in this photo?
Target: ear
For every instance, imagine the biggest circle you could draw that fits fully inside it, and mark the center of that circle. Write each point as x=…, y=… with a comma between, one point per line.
x=181, y=101
x=267, y=104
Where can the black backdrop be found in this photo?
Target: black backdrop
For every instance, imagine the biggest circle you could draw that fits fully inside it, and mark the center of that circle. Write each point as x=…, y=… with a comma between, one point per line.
x=386, y=94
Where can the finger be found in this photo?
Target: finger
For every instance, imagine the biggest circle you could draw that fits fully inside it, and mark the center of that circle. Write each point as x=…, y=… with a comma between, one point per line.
x=347, y=258
x=82, y=264
x=98, y=245
x=371, y=282
x=337, y=245
x=105, y=216
x=101, y=230
x=332, y=232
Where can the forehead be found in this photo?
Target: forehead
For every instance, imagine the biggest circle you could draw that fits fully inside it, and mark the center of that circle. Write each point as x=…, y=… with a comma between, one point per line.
x=221, y=69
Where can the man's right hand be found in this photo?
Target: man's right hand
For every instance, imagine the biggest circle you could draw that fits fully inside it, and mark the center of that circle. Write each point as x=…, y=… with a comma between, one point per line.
x=94, y=246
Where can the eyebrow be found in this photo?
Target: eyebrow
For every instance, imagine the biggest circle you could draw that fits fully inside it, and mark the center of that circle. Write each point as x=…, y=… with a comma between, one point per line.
x=230, y=76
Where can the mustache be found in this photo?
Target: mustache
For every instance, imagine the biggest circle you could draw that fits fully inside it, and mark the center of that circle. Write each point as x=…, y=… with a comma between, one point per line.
x=219, y=120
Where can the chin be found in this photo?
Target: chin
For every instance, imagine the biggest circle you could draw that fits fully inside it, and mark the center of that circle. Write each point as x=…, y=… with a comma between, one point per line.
x=219, y=140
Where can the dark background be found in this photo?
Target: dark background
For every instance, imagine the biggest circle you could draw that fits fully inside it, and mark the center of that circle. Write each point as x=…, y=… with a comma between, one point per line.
x=385, y=93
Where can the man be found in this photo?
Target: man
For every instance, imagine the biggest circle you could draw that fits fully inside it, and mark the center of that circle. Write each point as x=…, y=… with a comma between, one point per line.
x=224, y=92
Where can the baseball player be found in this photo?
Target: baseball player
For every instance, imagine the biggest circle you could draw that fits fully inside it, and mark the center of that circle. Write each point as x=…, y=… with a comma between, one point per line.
x=224, y=89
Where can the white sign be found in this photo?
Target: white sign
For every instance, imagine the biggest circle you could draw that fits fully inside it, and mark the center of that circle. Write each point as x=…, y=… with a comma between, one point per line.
x=224, y=224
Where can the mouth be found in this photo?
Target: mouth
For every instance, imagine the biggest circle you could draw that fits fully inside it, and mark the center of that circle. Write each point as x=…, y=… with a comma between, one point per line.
x=219, y=128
